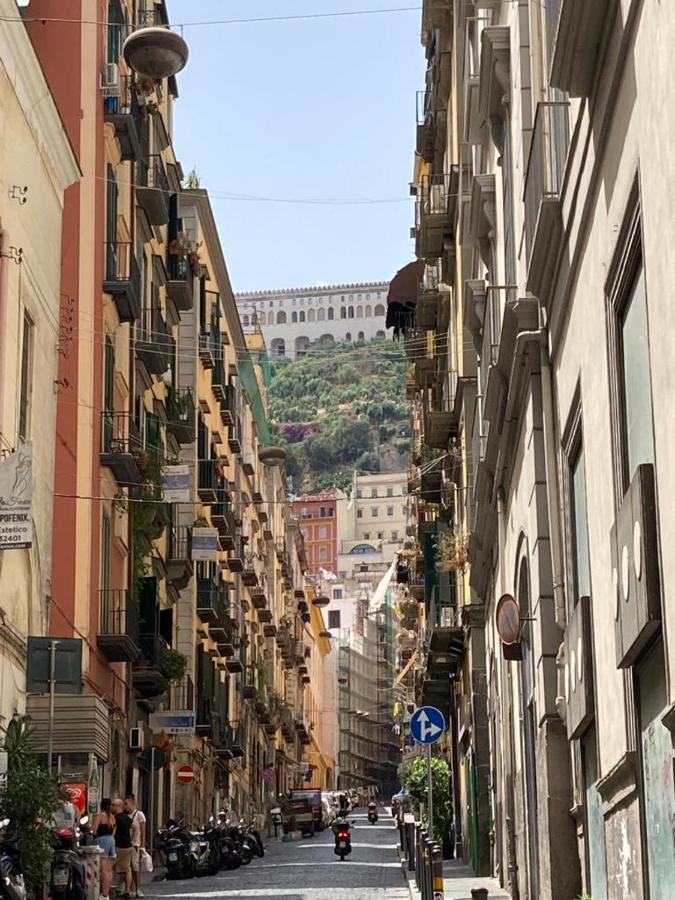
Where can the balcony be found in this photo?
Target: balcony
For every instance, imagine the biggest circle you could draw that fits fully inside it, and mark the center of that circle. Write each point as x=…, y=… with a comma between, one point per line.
x=218, y=383
x=179, y=564
x=211, y=607
x=428, y=298
x=180, y=282
x=249, y=575
x=116, y=448
x=153, y=341
x=577, y=32
x=152, y=189
x=117, y=637
x=148, y=677
x=543, y=185
x=183, y=694
x=233, y=441
x=439, y=427
x=122, y=279
x=124, y=114
x=207, y=484
x=206, y=349
x=180, y=411
x=426, y=127
x=236, y=559
x=228, y=405
x=433, y=213
x=234, y=665
x=237, y=739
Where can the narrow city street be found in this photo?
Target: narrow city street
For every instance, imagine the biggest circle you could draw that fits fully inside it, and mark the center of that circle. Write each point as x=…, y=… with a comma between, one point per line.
x=309, y=870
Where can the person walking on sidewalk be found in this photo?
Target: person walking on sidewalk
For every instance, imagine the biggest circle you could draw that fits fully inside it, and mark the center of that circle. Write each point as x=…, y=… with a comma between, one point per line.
x=123, y=844
x=103, y=829
x=138, y=824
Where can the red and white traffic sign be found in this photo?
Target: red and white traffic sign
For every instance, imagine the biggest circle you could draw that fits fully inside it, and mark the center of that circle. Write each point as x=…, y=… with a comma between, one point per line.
x=185, y=774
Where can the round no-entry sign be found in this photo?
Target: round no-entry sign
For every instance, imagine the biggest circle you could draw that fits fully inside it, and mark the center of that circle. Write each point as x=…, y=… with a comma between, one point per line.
x=185, y=774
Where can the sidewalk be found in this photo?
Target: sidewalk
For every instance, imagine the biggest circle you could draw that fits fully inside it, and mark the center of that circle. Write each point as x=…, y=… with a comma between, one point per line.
x=457, y=883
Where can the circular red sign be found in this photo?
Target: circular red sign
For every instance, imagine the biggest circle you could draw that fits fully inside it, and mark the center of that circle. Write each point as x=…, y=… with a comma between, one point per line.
x=508, y=619
x=185, y=774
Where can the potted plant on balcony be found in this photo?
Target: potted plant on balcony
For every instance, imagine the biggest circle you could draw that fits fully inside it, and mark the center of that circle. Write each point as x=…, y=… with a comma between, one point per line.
x=452, y=551
x=174, y=665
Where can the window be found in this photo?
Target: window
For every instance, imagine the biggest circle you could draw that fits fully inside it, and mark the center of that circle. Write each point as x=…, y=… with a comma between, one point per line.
x=331, y=313
x=629, y=343
x=26, y=393
x=343, y=312
x=302, y=315
x=348, y=336
x=262, y=318
x=311, y=315
x=359, y=493
x=375, y=511
x=390, y=492
x=302, y=301
x=359, y=312
x=244, y=320
x=366, y=535
x=380, y=334
x=323, y=554
x=369, y=311
x=333, y=618
x=581, y=564
x=373, y=492
x=379, y=310
x=281, y=318
x=394, y=535
x=294, y=301
x=322, y=512
x=116, y=31
x=270, y=318
x=362, y=336
x=323, y=532
x=380, y=535
x=321, y=315
x=330, y=511
x=359, y=513
x=294, y=317
x=350, y=312
x=390, y=510
x=337, y=593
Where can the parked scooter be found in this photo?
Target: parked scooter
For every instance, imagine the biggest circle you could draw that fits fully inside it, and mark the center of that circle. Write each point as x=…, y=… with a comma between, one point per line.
x=343, y=839
x=254, y=838
x=208, y=850
x=12, y=885
x=245, y=844
x=68, y=875
x=372, y=812
x=230, y=858
x=174, y=842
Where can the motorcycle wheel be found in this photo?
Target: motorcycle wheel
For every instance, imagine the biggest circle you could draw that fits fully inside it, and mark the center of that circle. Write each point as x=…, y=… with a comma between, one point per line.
x=246, y=857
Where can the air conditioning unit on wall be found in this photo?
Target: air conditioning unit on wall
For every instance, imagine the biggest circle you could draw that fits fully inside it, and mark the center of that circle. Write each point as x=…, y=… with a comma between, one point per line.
x=136, y=739
x=110, y=80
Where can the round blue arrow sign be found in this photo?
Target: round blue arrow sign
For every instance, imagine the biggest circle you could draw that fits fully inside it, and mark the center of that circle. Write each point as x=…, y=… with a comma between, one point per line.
x=427, y=724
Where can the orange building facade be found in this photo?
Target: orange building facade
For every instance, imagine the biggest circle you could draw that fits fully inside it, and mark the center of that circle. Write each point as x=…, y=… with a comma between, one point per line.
x=318, y=520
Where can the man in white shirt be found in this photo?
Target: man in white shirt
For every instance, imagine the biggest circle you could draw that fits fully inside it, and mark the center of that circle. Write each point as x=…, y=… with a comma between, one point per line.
x=138, y=823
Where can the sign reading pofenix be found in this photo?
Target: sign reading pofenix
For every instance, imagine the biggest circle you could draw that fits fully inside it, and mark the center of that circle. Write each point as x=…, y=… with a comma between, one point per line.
x=16, y=495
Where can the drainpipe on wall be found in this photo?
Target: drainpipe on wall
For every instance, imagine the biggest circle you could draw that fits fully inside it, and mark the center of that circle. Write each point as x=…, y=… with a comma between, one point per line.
x=507, y=719
x=552, y=493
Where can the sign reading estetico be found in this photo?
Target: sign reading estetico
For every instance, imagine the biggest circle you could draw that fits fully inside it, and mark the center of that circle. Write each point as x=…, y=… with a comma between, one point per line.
x=16, y=495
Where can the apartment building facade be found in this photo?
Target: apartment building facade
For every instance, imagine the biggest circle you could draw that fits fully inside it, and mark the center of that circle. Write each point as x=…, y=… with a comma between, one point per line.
x=319, y=524
x=38, y=166
x=293, y=319
x=537, y=346
x=179, y=570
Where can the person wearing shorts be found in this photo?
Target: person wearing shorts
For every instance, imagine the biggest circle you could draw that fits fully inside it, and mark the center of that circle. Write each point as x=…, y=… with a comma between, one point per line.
x=125, y=850
x=103, y=827
x=138, y=823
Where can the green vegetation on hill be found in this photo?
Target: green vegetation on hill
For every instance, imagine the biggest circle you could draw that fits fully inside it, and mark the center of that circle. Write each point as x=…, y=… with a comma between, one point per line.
x=341, y=407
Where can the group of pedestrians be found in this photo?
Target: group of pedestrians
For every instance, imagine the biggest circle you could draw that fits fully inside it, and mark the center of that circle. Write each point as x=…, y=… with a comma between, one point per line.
x=119, y=830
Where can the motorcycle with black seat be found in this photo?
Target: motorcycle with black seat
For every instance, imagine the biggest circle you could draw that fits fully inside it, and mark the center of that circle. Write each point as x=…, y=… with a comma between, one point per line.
x=372, y=812
x=343, y=839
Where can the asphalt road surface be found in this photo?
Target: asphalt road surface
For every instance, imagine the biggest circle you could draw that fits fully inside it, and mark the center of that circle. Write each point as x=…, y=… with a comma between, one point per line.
x=308, y=870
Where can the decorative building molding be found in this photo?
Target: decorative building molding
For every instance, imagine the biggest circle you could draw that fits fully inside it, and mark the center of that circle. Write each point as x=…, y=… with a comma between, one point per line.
x=32, y=91
x=495, y=80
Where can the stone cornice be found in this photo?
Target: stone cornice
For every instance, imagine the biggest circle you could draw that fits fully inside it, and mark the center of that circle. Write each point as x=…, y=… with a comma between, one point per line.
x=495, y=80
x=32, y=91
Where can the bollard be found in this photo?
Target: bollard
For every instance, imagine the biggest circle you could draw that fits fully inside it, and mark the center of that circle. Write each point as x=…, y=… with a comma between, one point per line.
x=422, y=858
x=428, y=844
x=437, y=872
x=410, y=843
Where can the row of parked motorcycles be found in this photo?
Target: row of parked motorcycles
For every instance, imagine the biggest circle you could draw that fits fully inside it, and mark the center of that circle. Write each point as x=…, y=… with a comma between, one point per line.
x=220, y=844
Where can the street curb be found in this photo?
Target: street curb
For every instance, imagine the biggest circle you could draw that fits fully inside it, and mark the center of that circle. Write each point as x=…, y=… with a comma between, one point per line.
x=408, y=876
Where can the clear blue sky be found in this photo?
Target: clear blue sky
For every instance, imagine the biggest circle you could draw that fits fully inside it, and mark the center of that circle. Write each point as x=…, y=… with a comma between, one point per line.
x=302, y=109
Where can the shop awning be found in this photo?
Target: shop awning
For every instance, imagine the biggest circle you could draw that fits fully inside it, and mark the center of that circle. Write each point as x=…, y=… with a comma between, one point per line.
x=402, y=297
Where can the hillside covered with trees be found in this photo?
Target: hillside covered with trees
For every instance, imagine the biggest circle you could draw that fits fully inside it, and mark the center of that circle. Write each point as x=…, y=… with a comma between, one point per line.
x=339, y=408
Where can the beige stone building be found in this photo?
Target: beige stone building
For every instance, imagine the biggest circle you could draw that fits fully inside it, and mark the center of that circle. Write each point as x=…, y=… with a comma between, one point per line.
x=37, y=164
x=539, y=350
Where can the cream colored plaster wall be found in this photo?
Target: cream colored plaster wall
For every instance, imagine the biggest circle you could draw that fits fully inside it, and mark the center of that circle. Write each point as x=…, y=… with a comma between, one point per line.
x=28, y=289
